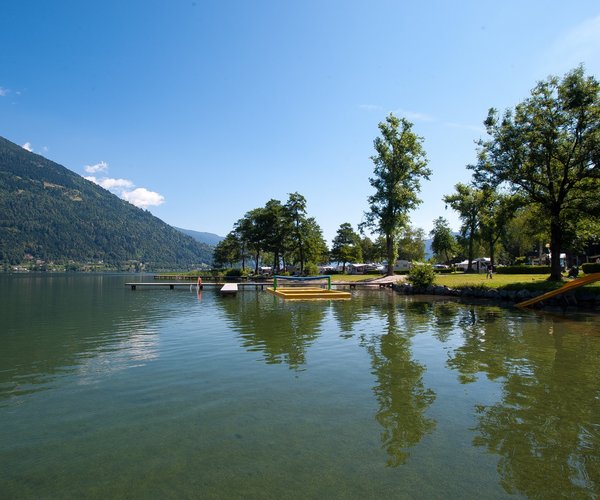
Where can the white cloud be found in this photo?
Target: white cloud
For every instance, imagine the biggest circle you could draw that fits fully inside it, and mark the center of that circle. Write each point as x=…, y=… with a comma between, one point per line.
x=369, y=107
x=115, y=184
x=111, y=184
x=27, y=146
x=98, y=167
x=461, y=126
x=143, y=198
x=3, y=91
x=414, y=115
x=140, y=197
x=579, y=45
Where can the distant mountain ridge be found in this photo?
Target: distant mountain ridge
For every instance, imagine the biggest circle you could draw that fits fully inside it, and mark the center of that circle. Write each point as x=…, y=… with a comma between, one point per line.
x=49, y=212
x=207, y=238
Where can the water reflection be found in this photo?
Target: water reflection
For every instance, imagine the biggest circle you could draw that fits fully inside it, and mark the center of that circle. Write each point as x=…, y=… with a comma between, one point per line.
x=546, y=425
x=400, y=391
x=281, y=331
x=57, y=325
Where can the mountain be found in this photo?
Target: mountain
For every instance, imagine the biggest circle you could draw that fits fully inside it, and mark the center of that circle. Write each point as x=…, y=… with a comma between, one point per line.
x=50, y=213
x=208, y=238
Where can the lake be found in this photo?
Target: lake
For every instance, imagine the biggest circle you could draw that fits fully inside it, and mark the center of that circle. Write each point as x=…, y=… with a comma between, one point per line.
x=109, y=392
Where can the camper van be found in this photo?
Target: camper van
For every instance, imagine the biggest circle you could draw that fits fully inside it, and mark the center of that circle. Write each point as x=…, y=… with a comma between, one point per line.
x=479, y=265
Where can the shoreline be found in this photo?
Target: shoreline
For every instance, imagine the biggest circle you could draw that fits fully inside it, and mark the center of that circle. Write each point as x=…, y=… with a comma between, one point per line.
x=579, y=299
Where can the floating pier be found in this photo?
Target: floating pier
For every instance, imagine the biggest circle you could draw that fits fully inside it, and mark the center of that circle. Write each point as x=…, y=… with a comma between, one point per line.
x=229, y=289
x=308, y=293
x=173, y=284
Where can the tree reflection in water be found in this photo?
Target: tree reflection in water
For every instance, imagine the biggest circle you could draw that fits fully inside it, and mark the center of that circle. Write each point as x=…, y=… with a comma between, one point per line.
x=546, y=427
x=282, y=331
x=401, y=394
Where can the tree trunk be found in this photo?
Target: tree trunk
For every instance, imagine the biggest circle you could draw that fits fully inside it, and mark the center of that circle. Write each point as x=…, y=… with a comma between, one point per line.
x=389, y=245
x=257, y=259
x=555, y=248
x=470, y=265
x=492, y=245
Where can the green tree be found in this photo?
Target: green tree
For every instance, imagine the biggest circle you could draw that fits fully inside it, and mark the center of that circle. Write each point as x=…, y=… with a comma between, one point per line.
x=275, y=227
x=526, y=231
x=227, y=251
x=252, y=233
x=296, y=213
x=400, y=164
x=411, y=244
x=548, y=151
x=467, y=201
x=315, y=246
x=367, y=248
x=443, y=242
x=346, y=246
x=497, y=210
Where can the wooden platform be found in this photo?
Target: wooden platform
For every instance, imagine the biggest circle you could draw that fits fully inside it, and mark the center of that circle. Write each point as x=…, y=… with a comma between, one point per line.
x=229, y=289
x=308, y=293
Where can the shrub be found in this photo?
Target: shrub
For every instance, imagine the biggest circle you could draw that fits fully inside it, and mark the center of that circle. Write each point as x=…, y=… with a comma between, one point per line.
x=233, y=273
x=311, y=269
x=523, y=270
x=590, y=267
x=421, y=274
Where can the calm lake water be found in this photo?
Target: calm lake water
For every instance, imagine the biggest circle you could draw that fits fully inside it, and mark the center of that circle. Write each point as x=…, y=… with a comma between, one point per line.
x=107, y=392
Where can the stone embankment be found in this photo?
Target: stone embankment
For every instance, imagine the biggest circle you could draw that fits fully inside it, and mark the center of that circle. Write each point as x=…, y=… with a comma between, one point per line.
x=580, y=298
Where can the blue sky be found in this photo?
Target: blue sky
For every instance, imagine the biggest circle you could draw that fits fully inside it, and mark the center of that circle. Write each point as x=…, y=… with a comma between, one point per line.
x=202, y=110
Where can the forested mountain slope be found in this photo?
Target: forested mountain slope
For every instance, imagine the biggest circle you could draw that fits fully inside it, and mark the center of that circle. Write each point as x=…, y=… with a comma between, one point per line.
x=203, y=237
x=51, y=213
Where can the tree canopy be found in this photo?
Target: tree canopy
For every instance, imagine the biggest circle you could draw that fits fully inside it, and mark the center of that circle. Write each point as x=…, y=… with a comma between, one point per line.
x=400, y=164
x=279, y=231
x=547, y=150
x=346, y=246
x=443, y=242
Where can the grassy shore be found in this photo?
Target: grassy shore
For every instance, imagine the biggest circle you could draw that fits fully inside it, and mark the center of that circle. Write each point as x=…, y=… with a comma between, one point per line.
x=505, y=281
x=499, y=281
x=537, y=282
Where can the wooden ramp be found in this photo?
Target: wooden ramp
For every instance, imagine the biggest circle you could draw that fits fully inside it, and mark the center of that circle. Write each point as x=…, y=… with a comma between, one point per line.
x=566, y=288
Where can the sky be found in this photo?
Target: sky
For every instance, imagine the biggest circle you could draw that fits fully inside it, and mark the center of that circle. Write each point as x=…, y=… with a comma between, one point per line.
x=199, y=111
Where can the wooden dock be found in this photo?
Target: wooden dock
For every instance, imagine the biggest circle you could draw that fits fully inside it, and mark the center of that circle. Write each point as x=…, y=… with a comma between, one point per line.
x=255, y=285
x=229, y=287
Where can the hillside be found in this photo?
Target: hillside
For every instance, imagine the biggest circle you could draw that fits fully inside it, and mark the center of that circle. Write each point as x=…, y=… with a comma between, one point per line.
x=208, y=238
x=50, y=213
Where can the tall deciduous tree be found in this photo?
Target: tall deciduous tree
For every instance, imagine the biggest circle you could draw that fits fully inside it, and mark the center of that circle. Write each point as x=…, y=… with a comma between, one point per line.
x=548, y=150
x=315, y=246
x=497, y=210
x=411, y=244
x=443, y=242
x=400, y=164
x=275, y=226
x=346, y=246
x=296, y=213
x=227, y=251
x=467, y=201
